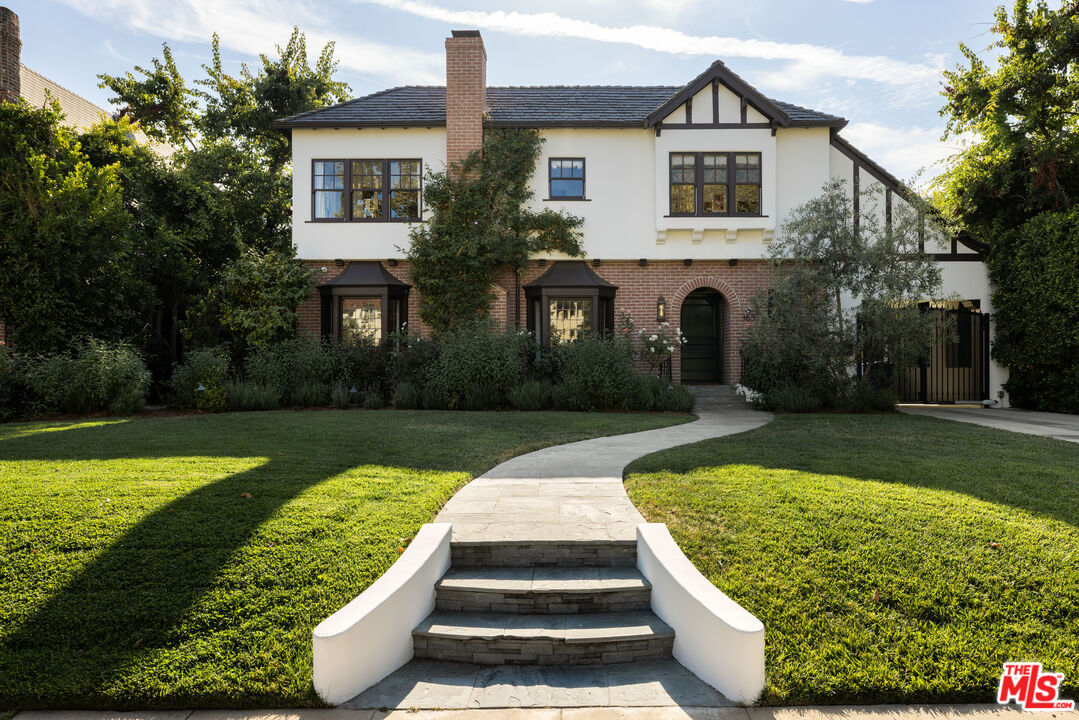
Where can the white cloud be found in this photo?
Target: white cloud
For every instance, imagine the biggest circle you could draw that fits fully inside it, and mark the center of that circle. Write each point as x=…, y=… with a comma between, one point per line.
x=804, y=62
x=904, y=151
x=254, y=26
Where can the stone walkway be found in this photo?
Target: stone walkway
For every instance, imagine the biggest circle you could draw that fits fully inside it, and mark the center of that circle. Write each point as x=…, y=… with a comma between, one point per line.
x=574, y=492
x=1053, y=425
x=569, y=493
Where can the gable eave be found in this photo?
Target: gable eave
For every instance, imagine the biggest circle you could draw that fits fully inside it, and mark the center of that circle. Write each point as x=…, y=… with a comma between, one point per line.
x=718, y=71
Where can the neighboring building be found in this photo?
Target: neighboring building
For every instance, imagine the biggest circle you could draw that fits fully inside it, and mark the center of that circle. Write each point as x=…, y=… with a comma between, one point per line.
x=681, y=189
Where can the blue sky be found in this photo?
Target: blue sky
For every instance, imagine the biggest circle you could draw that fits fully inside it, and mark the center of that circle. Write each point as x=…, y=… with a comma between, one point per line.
x=875, y=62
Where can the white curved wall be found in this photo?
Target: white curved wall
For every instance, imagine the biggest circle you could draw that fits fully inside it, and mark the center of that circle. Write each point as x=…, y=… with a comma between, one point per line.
x=371, y=637
x=717, y=639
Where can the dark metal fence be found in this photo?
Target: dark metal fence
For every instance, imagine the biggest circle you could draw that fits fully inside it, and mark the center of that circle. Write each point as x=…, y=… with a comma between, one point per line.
x=957, y=369
x=665, y=369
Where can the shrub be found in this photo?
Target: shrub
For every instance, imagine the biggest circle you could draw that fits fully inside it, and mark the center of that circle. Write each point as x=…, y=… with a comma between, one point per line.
x=862, y=398
x=289, y=364
x=252, y=396
x=411, y=359
x=793, y=399
x=17, y=400
x=480, y=397
x=532, y=395
x=562, y=397
x=407, y=396
x=99, y=376
x=433, y=400
x=310, y=393
x=480, y=354
x=597, y=371
x=358, y=365
x=341, y=396
x=206, y=368
x=372, y=399
x=655, y=393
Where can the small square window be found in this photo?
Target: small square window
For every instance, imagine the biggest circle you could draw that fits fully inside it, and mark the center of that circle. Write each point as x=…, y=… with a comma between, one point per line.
x=566, y=178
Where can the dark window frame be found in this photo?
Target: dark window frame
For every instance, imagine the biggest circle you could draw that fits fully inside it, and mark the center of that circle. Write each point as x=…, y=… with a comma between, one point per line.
x=584, y=179
x=386, y=191
x=698, y=184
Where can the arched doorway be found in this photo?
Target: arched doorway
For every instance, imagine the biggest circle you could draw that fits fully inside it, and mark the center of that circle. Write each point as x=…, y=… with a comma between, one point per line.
x=702, y=325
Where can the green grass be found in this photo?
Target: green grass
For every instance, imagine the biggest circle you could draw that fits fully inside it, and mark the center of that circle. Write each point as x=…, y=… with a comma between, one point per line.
x=134, y=573
x=803, y=520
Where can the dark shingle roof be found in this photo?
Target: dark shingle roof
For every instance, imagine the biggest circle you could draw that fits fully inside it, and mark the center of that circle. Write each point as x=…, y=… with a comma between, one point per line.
x=551, y=106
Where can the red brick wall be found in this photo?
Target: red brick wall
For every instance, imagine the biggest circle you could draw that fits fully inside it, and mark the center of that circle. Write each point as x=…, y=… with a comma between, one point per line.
x=466, y=96
x=638, y=289
x=10, y=51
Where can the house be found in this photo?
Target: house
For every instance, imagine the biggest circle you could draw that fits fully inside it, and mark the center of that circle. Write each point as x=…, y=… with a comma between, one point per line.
x=681, y=189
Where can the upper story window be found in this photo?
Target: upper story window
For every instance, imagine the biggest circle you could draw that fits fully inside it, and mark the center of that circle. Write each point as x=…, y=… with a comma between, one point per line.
x=566, y=178
x=709, y=183
x=378, y=190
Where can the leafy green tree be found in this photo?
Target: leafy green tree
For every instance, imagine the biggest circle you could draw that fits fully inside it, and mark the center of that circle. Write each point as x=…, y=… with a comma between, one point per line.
x=69, y=267
x=479, y=224
x=256, y=297
x=1016, y=187
x=802, y=334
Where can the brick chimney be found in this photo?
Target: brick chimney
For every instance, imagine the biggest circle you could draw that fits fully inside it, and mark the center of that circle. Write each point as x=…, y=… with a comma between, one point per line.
x=10, y=53
x=466, y=94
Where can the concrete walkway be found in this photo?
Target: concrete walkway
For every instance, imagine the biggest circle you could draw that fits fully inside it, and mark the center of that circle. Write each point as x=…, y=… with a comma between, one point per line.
x=836, y=712
x=1052, y=425
x=574, y=492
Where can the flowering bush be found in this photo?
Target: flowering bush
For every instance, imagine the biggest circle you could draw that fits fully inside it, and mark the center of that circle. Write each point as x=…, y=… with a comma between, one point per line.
x=658, y=345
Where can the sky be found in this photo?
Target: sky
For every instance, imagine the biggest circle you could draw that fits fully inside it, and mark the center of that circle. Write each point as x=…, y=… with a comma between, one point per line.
x=878, y=63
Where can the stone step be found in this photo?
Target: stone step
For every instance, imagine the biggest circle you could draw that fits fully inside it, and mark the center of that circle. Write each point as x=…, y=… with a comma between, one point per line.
x=543, y=590
x=544, y=553
x=504, y=638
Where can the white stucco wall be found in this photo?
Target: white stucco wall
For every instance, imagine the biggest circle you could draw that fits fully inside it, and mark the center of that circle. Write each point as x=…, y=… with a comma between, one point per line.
x=327, y=240
x=802, y=167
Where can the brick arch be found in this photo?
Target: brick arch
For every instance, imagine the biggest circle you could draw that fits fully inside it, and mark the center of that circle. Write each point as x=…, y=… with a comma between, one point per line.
x=732, y=335
x=706, y=281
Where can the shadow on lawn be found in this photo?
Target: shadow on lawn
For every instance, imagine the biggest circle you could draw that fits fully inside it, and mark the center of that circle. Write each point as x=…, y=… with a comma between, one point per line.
x=127, y=602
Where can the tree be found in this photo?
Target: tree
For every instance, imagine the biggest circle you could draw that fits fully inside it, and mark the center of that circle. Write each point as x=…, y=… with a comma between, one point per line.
x=1016, y=188
x=802, y=333
x=479, y=224
x=69, y=267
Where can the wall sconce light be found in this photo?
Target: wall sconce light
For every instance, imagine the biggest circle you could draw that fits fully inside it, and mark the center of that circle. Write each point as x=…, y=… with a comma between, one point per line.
x=687, y=262
x=392, y=262
x=642, y=262
x=661, y=309
x=733, y=262
x=323, y=269
x=339, y=262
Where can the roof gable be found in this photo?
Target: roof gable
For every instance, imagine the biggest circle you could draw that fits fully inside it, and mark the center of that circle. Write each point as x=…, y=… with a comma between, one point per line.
x=719, y=72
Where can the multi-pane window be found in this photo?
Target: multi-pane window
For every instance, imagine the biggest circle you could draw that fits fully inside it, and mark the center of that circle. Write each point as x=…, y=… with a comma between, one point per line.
x=377, y=190
x=361, y=319
x=328, y=184
x=570, y=318
x=683, y=184
x=404, y=189
x=713, y=183
x=366, y=189
x=566, y=178
x=747, y=183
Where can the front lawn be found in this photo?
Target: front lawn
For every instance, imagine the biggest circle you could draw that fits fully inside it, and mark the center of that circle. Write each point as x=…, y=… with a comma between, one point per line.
x=183, y=562
x=891, y=558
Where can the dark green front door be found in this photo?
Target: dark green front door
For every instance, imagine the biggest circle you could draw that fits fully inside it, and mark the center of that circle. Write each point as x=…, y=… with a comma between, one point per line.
x=701, y=356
